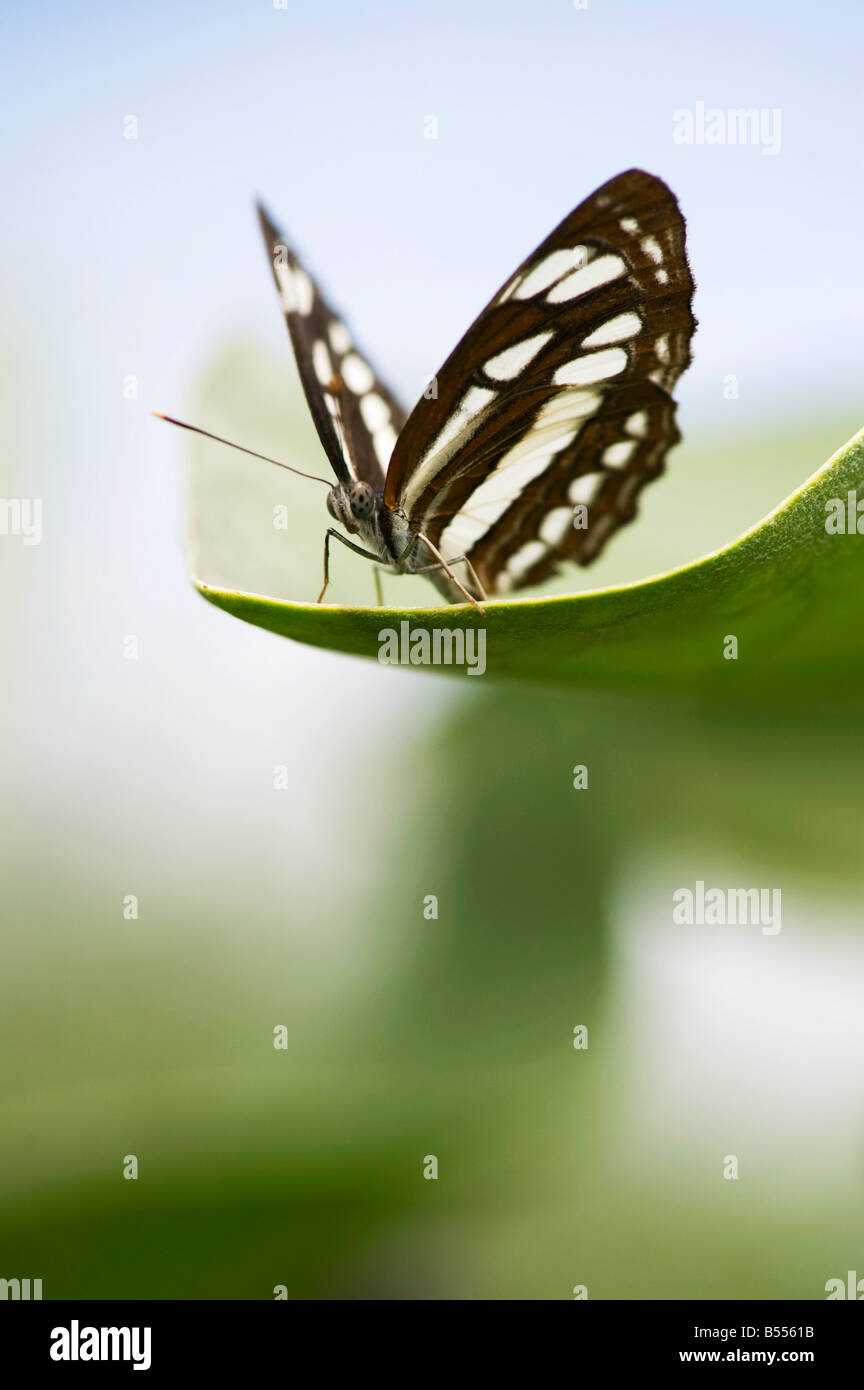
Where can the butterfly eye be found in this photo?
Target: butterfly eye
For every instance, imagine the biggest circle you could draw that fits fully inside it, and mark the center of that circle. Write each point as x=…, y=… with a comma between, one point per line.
x=362, y=500
x=336, y=504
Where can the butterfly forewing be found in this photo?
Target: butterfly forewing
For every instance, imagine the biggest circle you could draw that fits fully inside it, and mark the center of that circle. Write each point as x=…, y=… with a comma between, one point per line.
x=357, y=417
x=558, y=394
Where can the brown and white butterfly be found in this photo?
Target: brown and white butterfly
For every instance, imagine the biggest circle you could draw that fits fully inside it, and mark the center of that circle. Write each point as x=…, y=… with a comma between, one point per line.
x=543, y=425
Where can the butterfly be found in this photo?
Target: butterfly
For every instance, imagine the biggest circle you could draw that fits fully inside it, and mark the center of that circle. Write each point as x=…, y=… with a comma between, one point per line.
x=531, y=445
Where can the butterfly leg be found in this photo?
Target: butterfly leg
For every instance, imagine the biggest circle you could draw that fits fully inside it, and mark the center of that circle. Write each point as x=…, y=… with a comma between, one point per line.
x=379, y=593
x=443, y=565
x=358, y=550
x=458, y=560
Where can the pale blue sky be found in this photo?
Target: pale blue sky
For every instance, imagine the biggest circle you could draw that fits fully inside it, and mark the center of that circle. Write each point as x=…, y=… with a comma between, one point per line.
x=141, y=253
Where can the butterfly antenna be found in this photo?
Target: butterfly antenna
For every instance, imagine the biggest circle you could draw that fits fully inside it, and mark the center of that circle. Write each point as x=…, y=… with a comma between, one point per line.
x=219, y=440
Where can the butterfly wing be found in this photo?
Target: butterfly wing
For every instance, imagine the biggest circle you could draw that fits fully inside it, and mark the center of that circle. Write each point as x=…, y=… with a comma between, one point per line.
x=356, y=415
x=558, y=394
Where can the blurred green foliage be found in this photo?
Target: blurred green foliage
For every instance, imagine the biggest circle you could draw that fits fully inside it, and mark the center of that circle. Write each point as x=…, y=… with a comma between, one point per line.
x=261, y=1168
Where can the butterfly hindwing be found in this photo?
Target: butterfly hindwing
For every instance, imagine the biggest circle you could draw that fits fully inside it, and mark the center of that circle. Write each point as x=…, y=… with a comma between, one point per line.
x=357, y=417
x=557, y=394
x=575, y=505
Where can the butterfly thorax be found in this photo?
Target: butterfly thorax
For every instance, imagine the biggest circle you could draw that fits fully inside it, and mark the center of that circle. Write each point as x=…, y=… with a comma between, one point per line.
x=383, y=530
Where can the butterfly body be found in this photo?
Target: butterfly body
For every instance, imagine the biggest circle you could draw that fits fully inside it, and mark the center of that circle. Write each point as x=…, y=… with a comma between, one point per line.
x=545, y=422
x=386, y=535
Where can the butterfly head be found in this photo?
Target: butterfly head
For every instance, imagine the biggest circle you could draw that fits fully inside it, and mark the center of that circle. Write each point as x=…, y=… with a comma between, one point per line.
x=351, y=503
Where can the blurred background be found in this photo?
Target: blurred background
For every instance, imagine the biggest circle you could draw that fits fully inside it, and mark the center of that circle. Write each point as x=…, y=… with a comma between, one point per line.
x=132, y=280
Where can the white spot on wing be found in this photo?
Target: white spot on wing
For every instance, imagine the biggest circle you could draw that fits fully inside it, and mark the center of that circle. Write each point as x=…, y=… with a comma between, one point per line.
x=374, y=412
x=321, y=362
x=550, y=269
x=508, y=289
x=563, y=440
x=651, y=247
x=383, y=441
x=614, y=330
x=661, y=348
x=305, y=292
x=555, y=525
x=590, y=277
x=357, y=374
x=340, y=338
x=637, y=424
x=616, y=455
x=526, y=556
x=585, y=488
x=509, y=363
x=475, y=398
x=296, y=291
x=597, y=366
x=661, y=277
x=333, y=406
x=567, y=407
x=629, y=224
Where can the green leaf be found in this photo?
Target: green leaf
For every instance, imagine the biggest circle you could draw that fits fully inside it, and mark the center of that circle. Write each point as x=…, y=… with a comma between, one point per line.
x=787, y=590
